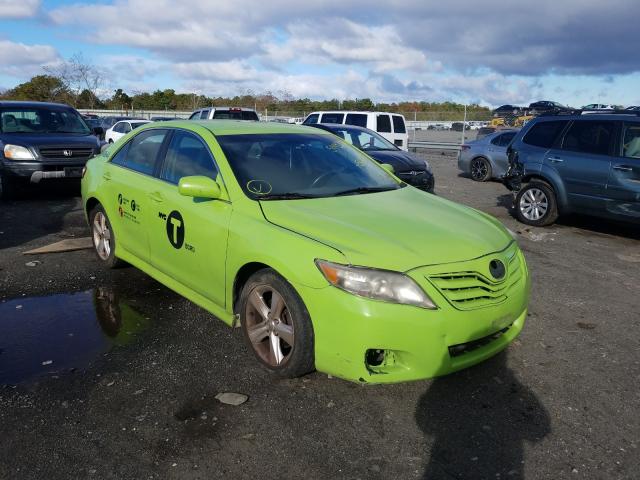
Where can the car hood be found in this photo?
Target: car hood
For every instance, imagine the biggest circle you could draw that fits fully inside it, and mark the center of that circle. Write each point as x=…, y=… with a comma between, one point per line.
x=401, y=161
x=395, y=230
x=49, y=140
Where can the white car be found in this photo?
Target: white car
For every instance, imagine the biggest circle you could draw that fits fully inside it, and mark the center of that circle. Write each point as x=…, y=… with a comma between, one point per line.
x=121, y=128
x=390, y=125
x=599, y=106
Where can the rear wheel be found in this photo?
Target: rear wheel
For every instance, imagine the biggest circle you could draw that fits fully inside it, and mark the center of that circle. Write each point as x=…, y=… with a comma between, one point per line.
x=276, y=325
x=536, y=204
x=104, y=240
x=480, y=169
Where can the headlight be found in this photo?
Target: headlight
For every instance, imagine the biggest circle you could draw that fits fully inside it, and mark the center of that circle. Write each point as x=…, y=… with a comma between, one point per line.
x=392, y=287
x=426, y=164
x=16, y=152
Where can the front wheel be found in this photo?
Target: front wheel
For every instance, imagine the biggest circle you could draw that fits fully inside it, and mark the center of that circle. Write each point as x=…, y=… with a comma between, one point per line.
x=104, y=240
x=480, y=169
x=276, y=325
x=536, y=205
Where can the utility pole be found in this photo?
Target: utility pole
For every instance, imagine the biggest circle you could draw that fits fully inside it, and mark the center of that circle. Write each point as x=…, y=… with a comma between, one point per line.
x=464, y=123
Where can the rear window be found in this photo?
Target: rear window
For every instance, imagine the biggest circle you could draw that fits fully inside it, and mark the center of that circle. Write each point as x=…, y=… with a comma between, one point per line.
x=235, y=115
x=332, y=117
x=590, y=137
x=544, y=134
x=398, y=124
x=383, y=123
x=313, y=118
x=358, y=119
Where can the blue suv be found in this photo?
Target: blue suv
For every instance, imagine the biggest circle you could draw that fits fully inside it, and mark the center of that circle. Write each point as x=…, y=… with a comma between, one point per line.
x=576, y=162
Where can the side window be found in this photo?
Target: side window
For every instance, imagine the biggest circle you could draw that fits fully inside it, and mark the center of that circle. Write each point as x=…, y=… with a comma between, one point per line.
x=195, y=115
x=141, y=153
x=204, y=114
x=313, y=118
x=117, y=128
x=359, y=119
x=544, y=134
x=384, y=124
x=504, y=139
x=398, y=124
x=594, y=137
x=631, y=141
x=332, y=117
x=187, y=155
x=126, y=127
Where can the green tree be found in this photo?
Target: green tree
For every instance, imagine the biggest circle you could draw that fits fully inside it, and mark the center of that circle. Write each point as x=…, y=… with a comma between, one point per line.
x=41, y=88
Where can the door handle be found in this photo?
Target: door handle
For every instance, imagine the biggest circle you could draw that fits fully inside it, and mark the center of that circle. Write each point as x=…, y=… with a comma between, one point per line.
x=624, y=168
x=156, y=197
x=555, y=159
x=106, y=176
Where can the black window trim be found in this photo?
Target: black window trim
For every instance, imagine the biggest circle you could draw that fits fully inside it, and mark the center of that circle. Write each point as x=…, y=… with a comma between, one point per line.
x=617, y=138
x=128, y=144
x=165, y=150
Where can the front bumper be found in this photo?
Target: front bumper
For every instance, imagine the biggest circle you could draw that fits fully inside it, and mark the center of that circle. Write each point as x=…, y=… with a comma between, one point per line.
x=34, y=172
x=410, y=343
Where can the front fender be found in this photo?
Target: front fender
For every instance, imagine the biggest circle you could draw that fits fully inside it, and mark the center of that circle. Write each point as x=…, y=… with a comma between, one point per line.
x=552, y=177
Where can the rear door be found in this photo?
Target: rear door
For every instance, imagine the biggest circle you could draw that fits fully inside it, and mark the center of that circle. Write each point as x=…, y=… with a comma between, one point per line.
x=128, y=177
x=189, y=235
x=498, y=150
x=623, y=186
x=583, y=161
x=400, y=135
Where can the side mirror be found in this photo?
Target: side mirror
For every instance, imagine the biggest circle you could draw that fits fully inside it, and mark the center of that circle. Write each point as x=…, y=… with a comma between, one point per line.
x=199, y=186
x=99, y=131
x=388, y=167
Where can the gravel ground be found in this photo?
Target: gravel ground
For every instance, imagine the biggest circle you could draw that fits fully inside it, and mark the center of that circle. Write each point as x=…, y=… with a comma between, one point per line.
x=560, y=402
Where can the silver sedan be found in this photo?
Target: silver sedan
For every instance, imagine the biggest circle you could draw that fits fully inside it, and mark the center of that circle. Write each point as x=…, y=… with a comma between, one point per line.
x=486, y=158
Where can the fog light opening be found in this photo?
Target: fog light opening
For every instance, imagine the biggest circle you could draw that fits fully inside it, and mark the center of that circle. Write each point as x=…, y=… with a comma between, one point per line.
x=374, y=357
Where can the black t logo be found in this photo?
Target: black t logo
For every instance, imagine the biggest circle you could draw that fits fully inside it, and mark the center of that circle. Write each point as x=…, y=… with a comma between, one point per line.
x=175, y=229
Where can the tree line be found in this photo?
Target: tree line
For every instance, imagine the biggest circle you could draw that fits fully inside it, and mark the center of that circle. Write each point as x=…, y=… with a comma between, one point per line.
x=78, y=83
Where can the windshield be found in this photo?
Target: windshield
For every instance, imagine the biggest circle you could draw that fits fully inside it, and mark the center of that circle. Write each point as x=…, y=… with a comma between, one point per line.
x=285, y=165
x=42, y=120
x=364, y=140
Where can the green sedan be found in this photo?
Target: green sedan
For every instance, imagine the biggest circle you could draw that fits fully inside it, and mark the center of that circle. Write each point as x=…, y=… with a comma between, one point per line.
x=324, y=258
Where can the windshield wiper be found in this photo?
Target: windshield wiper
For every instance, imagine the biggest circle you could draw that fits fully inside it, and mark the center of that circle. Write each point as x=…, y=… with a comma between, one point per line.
x=360, y=190
x=286, y=196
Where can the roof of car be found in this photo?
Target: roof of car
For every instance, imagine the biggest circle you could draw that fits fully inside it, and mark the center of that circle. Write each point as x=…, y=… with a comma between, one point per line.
x=591, y=115
x=19, y=103
x=339, y=126
x=237, y=127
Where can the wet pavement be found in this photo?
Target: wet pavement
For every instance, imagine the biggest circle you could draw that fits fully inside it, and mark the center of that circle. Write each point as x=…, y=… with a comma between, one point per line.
x=139, y=400
x=57, y=334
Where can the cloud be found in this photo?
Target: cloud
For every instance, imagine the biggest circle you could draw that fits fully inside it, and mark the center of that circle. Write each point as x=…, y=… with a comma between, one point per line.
x=19, y=8
x=22, y=61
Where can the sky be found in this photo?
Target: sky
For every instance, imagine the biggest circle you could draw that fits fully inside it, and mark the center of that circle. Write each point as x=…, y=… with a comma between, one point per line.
x=488, y=52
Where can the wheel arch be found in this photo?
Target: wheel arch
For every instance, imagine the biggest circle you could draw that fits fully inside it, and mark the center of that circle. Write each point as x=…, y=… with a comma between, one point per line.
x=241, y=277
x=89, y=205
x=553, y=182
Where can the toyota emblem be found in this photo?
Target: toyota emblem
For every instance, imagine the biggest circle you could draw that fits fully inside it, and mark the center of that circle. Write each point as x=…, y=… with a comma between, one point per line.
x=67, y=153
x=497, y=269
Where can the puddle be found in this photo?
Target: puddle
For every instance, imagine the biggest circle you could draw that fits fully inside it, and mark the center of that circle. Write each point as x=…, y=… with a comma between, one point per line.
x=55, y=334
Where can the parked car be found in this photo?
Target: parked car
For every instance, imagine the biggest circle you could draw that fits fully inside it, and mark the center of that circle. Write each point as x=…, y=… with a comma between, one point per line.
x=486, y=158
x=323, y=258
x=406, y=166
x=503, y=110
x=576, y=163
x=633, y=108
x=42, y=141
x=545, y=106
x=437, y=126
x=110, y=121
x=599, y=106
x=97, y=126
x=390, y=125
x=162, y=119
x=121, y=128
x=484, y=131
x=225, y=113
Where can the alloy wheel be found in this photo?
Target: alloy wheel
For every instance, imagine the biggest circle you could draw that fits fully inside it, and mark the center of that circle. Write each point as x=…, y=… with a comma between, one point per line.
x=478, y=169
x=534, y=204
x=269, y=325
x=101, y=235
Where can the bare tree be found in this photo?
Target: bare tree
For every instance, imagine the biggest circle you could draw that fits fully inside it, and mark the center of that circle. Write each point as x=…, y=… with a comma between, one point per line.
x=78, y=74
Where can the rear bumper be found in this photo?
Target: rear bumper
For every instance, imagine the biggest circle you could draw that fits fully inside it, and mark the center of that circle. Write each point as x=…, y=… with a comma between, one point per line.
x=34, y=172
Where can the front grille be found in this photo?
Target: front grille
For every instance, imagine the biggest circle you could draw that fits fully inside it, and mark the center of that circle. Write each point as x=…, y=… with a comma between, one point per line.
x=462, y=348
x=66, y=152
x=413, y=173
x=468, y=290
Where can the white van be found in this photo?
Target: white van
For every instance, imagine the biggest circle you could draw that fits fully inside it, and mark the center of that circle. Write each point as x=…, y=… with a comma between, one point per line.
x=390, y=125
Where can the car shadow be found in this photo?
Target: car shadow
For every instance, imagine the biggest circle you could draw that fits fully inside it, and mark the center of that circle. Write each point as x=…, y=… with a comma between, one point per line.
x=37, y=211
x=478, y=421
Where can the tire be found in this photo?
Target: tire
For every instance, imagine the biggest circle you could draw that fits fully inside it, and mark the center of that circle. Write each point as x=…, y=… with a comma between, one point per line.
x=536, y=204
x=7, y=188
x=281, y=340
x=104, y=240
x=111, y=140
x=480, y=169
